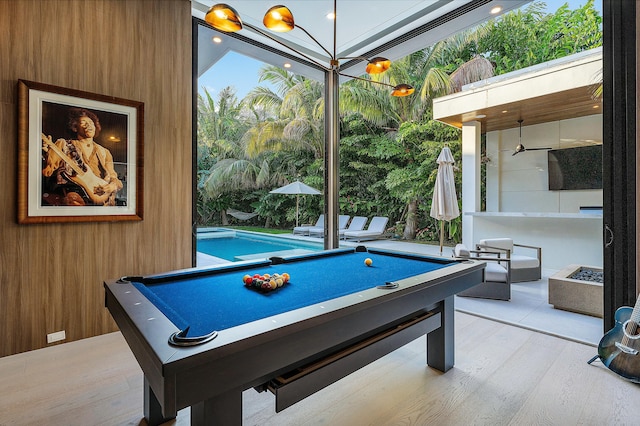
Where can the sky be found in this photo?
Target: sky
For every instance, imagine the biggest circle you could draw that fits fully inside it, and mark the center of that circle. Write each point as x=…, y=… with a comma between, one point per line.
x=241, y=72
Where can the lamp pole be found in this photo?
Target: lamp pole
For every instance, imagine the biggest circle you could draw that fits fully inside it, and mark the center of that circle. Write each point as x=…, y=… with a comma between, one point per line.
x=331, y=158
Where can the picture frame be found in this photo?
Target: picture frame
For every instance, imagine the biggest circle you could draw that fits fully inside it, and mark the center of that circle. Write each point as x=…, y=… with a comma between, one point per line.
x=80, y=156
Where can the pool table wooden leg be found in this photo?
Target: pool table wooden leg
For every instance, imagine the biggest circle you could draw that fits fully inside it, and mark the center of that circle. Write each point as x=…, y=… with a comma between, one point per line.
x=441, y=341
x=152, y=408
x=225, y=409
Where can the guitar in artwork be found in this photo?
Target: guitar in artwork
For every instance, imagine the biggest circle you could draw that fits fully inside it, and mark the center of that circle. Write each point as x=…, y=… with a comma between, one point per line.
x=619, y=348
x=89, y=182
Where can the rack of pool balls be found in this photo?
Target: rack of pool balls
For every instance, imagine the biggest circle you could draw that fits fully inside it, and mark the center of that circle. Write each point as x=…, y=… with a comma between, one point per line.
x=266, y=282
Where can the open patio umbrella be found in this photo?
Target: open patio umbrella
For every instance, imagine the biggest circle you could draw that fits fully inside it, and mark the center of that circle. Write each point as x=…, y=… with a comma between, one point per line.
x=444, y=206
x=296, y=188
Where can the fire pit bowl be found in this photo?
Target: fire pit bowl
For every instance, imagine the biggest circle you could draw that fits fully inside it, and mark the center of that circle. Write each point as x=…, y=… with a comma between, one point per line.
x=577, y=289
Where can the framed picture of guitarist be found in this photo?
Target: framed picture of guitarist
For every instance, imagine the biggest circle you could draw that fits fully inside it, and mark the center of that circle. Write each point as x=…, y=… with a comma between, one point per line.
x=80, y=156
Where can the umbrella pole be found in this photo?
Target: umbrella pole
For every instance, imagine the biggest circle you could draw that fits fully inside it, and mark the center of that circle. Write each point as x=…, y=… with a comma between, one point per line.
x=297, y=203
x=441, y=235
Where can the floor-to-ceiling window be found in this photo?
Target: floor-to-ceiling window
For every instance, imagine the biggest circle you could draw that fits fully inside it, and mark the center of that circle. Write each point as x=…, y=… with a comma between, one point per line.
x=619, y=131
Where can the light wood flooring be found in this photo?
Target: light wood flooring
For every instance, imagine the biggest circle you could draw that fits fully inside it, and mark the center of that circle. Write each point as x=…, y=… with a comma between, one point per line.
x=504, y=375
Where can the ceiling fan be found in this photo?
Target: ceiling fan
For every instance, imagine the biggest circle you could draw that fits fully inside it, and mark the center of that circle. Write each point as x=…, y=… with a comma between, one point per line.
x=520, y=148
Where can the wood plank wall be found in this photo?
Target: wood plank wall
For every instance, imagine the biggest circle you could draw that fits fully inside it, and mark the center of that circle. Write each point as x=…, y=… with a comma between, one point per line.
x=51, y=275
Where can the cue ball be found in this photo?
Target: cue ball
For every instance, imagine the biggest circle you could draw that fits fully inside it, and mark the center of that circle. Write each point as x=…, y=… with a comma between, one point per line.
x=368, y=262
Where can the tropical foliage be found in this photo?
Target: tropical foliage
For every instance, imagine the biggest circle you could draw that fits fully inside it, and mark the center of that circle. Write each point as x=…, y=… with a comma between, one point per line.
x=388, y=146
x=528, y=37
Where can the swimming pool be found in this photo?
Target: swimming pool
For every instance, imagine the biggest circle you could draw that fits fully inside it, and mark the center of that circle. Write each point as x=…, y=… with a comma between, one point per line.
x=235, y=245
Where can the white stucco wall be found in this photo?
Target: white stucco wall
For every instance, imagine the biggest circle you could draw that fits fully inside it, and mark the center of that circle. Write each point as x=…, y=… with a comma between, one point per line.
x=520, y=205
x=520, y=183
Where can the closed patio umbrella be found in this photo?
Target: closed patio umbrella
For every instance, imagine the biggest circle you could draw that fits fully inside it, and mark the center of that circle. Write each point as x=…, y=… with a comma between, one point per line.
x=444, y=205
x=296, y=188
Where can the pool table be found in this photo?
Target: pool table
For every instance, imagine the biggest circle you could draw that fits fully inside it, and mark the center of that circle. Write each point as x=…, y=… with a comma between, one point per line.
x=202, y=337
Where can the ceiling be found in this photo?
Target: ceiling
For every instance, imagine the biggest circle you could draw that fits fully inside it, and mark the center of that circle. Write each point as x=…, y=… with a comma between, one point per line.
x=563, y=105
x=363, y=28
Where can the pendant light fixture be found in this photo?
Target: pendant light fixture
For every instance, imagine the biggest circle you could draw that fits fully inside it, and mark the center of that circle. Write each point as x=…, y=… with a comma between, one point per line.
x=280, y=19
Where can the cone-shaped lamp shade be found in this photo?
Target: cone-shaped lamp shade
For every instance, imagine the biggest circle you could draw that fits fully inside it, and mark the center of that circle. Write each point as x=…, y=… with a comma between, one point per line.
x=378, y=65
x=224, y=18
x=402, y=90
x=279, y=18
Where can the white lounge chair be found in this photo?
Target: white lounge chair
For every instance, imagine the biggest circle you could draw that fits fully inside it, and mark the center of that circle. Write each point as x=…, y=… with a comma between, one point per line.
x=318, y=231
x=356, y=224
x=304, y=229
x=376, y=228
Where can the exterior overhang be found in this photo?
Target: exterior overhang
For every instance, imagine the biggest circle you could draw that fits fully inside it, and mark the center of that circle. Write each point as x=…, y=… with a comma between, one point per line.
x=552, y=91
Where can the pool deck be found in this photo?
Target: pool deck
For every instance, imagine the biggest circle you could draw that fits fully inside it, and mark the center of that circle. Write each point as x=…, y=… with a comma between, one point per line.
x=204, y=260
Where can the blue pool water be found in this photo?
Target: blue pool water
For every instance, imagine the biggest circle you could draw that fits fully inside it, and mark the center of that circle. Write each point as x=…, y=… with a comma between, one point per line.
x=241, y=245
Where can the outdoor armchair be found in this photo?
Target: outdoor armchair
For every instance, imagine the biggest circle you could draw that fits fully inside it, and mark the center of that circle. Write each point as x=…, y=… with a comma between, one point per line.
x=496, y=277
x=524, y=267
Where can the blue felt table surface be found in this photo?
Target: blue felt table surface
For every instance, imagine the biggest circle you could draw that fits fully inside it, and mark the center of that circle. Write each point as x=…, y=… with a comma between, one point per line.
x=220, y=300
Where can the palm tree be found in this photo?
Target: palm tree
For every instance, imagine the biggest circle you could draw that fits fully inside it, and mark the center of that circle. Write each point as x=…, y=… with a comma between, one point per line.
x=225, y=165
x=217, y=128
x=426, y=71
x=289, y=121
x=297, y=106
